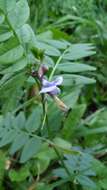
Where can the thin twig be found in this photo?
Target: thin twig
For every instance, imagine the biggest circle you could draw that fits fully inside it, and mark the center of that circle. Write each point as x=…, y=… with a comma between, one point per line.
x=45, y=118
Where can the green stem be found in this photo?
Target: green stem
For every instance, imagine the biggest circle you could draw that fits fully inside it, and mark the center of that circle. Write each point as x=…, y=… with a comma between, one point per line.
x=61, y=160
x=57, y=63
x=45, y=118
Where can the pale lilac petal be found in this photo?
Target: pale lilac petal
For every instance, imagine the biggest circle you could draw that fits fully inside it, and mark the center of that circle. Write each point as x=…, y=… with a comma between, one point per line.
x=55, y=91
x=47, y=89
x=58, y=81
x=46, y=83
x=51, y=87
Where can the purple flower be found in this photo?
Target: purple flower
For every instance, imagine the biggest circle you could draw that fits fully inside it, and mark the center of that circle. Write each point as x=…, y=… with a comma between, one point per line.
x=51, y=87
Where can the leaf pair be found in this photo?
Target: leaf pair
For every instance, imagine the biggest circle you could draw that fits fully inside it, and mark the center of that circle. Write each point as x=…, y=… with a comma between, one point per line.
x=17, y=131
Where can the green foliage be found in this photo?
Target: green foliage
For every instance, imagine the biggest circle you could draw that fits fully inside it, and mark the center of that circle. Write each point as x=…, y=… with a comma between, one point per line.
x=80, y=169
x=2, y=168
x=72, y=121
x=49, y=141
x=19, y=175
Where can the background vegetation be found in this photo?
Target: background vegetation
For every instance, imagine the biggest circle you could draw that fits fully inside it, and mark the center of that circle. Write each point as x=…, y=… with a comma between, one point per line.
x=46, y=141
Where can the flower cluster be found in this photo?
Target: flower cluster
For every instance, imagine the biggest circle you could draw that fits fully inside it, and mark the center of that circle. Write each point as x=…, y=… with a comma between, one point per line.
x=51, y=88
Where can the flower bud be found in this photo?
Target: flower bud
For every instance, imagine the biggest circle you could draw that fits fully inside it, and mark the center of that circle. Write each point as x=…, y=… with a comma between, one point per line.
x=42, y=70
x=60, y=104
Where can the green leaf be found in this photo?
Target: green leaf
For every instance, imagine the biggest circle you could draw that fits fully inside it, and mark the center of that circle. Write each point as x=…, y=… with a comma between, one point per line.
x=8, y=137
x=103, y=183
x=8, y=45
x=49, y=50
x=17, y=66
x=56, y=43
x=55, y=117
x=34, y=120
x=7, y=6
x=99, y=130
x=19, y=15
x=42, y=159
x=8, y=121
x=60, y=172
x=31, y=81
x=62, y=143
x=85, y=181
x=25, y=33
x=2, y=166
x=30, y=149
x=64, y=146
x=20, y=140
x=12, y=55
x=71, y=99
x=2, y=18
x=75, y=67
x=20, y=175
x=98, y=118
x=46, y=153
x=5, y=36
x=8, y=89
x=78, y=51
x=72, y=79
x=20, y=119
x=40, y=166
x=72, y=121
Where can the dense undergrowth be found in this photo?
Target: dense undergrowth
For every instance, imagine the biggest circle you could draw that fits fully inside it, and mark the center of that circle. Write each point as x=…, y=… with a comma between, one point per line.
x=53, y=97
